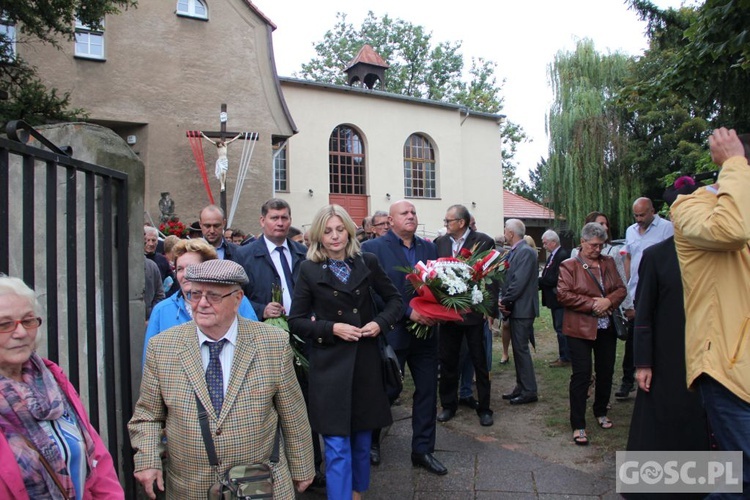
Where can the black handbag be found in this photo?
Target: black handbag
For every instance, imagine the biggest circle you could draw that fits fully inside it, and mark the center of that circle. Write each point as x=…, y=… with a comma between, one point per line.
x=241, y=482
x=620, y=323
x=393, y=378
x=617, y=318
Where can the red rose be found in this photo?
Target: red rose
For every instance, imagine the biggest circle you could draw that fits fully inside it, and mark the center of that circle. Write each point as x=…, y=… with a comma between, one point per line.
x=465, y=253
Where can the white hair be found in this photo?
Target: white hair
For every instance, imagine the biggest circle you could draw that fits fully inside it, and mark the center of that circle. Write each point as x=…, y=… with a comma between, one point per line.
x=550, y=235
x=515, y=225
x=150, y=230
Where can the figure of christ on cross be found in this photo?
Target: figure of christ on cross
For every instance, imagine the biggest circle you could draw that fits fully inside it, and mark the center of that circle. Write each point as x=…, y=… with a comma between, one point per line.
x=221, y=143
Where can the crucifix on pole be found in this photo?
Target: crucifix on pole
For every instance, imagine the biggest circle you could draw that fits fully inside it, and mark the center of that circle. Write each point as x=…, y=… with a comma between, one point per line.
x=223, y=139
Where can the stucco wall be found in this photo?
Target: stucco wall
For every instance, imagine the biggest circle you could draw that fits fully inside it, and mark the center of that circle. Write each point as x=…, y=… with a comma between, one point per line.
x=165, y=74
x=467, y=153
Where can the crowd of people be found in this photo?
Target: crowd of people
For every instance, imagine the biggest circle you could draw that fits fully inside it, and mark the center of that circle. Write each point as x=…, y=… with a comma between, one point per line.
x=221, y=383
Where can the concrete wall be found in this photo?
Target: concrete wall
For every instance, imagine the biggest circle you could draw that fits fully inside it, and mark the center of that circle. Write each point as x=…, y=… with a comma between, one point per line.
x=467, y=152
x=165, y=74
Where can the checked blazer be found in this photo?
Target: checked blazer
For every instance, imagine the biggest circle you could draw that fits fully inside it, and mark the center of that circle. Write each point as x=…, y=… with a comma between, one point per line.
x=263, y=389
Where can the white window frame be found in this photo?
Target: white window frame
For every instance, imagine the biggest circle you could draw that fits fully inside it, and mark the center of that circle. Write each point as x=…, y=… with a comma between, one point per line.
x=191, y=10
x=281, y=168
x=84, y=38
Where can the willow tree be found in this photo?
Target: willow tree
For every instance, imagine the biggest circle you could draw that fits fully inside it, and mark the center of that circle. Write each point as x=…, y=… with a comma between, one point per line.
x=588, y=141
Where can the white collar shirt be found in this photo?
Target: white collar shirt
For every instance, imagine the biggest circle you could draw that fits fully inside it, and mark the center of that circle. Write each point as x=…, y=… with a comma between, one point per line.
x=227, y=352
x=276, y=259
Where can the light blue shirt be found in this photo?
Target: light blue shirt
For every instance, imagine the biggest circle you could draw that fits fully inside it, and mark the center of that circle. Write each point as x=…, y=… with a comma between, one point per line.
x=636, y=243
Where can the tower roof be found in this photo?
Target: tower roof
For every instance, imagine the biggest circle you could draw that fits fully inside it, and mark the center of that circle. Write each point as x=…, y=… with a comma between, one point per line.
x=367, y=55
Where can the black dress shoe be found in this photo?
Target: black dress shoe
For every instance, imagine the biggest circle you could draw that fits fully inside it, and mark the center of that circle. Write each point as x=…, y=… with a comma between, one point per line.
x=427, y=461
x=485, y=420
x=522, y=400
x=511, y=395
x=470, y=402
x=375, y=454
x=446, y=415
x=319, y=481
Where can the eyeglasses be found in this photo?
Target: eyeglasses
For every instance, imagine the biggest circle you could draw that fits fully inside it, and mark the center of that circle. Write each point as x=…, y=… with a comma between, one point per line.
x=448, y=221
x=595, y=245
x=11, y=325
x=380, y=224
x=212, y=298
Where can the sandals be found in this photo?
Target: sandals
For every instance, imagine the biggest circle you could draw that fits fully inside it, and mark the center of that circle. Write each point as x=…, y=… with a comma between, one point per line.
x=580, y=438
x=604, y=422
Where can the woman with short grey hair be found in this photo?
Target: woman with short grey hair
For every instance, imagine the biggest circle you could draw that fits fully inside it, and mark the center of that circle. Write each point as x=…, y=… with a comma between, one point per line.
x=590, y=288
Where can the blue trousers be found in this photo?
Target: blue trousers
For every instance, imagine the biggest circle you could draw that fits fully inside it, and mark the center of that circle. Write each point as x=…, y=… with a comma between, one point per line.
x=729, y=419
x=347, y=464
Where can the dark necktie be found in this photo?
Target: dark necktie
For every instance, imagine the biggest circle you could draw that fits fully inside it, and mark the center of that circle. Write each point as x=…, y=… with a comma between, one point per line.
x=215, y=375
x=286, y=270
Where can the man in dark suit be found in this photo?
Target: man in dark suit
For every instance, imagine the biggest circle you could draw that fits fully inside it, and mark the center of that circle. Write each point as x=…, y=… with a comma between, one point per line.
x=521, y=303
x=459, y=236
x=548, y=286
x=401, y=247
x=274, y=259
x=262, y=260
x=213, y=223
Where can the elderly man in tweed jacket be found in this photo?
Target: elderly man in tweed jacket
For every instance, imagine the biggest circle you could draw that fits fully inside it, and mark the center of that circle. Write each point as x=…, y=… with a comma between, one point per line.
x=242, y=373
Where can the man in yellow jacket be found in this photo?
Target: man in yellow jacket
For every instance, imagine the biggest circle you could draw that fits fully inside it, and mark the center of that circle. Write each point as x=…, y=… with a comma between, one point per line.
x=712, y=235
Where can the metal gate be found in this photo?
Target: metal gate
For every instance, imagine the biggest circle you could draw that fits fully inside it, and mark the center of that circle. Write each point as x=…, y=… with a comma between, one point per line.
x=64, y=231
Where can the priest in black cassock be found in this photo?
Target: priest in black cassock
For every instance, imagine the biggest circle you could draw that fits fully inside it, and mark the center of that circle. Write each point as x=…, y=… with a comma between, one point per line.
x=666, y=416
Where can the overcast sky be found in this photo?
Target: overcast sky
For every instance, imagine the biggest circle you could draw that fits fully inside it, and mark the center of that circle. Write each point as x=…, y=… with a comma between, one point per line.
x=521, y=36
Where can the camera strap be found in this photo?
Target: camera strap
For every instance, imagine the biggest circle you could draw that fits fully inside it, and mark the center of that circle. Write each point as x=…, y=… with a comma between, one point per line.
x=208, y=441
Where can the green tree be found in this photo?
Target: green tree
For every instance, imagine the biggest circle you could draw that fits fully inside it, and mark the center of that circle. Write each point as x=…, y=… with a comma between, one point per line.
x=48, y=21
x=418, y=68
x=587, y=139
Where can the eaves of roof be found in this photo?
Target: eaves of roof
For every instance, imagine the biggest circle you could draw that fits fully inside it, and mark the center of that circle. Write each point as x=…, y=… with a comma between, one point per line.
x=388, y=95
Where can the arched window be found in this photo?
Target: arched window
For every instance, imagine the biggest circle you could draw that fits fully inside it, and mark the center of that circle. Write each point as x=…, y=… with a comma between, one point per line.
x=419, y=168
x=192, y=8
x=346, y=162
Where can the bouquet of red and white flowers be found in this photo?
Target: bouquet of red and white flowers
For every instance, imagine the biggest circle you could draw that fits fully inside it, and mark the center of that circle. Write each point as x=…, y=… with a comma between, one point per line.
x=448, y=287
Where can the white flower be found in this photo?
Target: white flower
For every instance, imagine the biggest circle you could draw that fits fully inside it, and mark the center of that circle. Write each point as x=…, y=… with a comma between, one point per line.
x=476, y=295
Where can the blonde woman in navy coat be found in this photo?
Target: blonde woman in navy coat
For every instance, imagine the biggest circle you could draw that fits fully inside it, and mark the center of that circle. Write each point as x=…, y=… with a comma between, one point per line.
x=347, y=394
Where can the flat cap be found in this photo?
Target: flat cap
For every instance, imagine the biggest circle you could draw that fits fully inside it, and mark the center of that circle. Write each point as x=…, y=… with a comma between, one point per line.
x=217, y=271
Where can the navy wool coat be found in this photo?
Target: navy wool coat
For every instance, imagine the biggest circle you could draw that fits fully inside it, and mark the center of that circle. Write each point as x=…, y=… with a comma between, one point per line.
x=346, y=391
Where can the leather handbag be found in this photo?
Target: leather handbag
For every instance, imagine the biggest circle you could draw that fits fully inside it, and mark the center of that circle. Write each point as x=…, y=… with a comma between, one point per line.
x=393, y=378
x=620, y=323
x=241, y=482
x=617, y=318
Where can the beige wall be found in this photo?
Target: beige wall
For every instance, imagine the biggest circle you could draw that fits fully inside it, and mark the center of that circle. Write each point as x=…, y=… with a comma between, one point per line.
x=166, y=74
x=467, y=152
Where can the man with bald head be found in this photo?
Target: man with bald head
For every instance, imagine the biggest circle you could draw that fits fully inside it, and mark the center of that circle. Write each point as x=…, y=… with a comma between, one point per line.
x=401, y=248
x=647, y=230
x=213, y=223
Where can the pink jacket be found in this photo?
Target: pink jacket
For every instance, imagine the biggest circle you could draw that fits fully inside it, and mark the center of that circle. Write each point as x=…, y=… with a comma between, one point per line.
x=102, y=481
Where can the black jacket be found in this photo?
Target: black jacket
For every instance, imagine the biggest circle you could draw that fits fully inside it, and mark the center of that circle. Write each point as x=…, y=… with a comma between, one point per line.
x=346, y=390
x=548, y=281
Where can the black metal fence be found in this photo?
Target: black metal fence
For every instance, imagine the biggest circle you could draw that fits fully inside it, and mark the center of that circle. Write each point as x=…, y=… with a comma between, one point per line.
x=64, y=231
